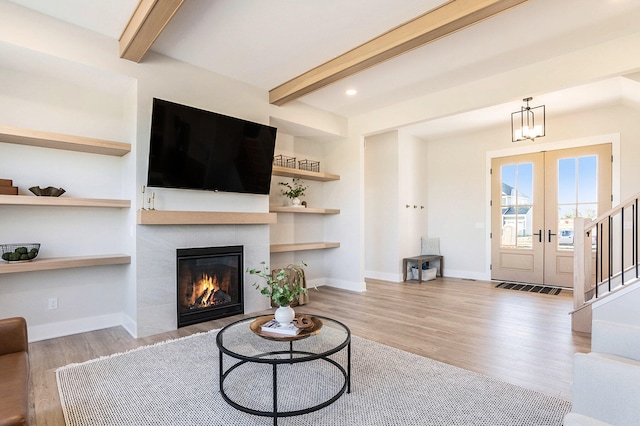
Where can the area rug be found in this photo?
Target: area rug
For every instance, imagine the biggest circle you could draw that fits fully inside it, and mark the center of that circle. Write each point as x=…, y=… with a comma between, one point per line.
x=531, y=288
x=176, y=383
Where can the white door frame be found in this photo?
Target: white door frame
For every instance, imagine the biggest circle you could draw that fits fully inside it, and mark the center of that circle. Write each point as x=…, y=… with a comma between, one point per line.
x=528, y=148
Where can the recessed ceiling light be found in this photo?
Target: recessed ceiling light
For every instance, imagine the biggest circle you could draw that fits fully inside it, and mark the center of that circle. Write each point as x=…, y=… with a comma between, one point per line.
x=351, y=92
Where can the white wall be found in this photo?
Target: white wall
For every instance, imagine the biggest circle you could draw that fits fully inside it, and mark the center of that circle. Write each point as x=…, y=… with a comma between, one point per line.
x=413, y=190
x=344, y=267
x=395, y=202
x=457, y=201
x=621, y=307
x=382, y=206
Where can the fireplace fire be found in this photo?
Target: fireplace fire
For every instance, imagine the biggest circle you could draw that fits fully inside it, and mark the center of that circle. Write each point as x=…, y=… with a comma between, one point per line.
x=210, y=283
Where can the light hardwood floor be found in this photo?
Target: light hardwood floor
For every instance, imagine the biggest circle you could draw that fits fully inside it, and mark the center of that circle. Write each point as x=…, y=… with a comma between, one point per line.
x=518, y=337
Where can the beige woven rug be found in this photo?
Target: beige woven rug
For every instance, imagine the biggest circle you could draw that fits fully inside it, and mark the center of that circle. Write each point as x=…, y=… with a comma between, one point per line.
x=176, y=383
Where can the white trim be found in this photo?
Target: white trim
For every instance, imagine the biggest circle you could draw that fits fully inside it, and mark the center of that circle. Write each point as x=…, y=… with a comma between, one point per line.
x=344, y=285
x=80, y=325
x=130, y=325
x=468, y=275
x=616, y=294
x=383, y=276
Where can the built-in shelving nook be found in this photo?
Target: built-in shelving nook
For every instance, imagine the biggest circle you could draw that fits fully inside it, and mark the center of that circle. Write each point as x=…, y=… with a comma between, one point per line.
x=308, y=175
x=60, y=141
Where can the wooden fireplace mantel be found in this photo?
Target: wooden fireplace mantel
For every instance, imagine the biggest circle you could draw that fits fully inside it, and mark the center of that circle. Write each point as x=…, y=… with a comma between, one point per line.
x=179, y=217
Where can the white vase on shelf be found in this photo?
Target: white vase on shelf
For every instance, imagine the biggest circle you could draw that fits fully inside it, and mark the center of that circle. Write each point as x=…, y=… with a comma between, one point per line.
x=295, y=202
x=284, y=314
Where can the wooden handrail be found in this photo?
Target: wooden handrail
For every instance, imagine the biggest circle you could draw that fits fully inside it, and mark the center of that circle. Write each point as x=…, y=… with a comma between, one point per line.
x=620, y=206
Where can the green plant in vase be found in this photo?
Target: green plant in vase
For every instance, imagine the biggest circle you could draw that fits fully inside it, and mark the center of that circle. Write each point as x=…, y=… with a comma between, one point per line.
x=282, y=286
x=294, y=190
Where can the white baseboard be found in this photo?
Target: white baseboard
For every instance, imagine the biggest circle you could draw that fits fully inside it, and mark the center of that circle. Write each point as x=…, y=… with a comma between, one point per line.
x=468, y=275
x=344, y=285
x=130, y=325
x=616, y=294
x=66, y=328
x=383, y=276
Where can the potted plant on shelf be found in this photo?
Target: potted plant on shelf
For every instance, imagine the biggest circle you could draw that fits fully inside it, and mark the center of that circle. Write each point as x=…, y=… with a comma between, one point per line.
x=282, y=286
x=294, y=191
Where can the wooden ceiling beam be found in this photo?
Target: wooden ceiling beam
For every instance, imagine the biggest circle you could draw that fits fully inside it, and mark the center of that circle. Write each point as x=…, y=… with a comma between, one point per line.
x=437, y=23
x=145, y=25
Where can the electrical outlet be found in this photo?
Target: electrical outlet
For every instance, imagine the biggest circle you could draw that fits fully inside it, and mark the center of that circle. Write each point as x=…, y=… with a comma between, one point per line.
x=53, y=303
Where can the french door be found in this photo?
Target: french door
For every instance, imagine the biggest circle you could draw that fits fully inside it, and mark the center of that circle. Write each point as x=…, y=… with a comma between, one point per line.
x=534, y=199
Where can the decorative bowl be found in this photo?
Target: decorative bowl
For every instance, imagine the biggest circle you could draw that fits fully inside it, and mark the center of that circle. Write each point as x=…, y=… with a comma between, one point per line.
x=24, y=252
x=49, y=191
x=303, y=322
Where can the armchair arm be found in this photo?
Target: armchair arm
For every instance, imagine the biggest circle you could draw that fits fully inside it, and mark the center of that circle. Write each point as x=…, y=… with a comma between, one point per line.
x=13, y=335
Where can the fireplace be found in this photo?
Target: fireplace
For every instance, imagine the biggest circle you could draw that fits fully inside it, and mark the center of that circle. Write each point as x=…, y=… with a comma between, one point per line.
x=210, y=283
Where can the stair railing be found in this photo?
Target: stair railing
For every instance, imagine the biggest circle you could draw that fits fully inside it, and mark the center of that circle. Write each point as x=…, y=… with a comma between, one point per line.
x=605, y=252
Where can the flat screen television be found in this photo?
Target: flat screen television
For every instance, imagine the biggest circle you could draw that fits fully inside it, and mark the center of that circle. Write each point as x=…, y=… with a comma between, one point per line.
x=196, y=149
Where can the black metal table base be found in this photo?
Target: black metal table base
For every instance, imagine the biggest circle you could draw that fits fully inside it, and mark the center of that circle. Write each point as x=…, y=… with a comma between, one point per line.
x=262, y=358
x=275, y=413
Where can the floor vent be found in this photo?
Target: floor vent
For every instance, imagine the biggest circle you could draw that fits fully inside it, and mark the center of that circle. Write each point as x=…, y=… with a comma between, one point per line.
x=531, y=288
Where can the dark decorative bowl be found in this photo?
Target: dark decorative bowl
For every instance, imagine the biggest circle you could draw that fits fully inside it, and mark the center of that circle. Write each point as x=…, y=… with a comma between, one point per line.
x=24, y=252
x=49, y=191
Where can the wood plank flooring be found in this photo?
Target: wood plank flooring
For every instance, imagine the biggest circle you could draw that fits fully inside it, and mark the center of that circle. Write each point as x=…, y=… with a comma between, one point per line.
x=518, y=337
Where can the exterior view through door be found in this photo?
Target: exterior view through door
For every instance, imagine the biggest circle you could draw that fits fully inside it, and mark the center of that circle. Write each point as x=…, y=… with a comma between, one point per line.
x=534, y=199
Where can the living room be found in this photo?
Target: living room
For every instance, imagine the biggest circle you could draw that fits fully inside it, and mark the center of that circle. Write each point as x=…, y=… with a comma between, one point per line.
x=112, y=100
x=59, y=77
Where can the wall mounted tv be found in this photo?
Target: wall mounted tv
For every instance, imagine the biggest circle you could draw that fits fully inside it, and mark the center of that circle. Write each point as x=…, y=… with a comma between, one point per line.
x=195, y=149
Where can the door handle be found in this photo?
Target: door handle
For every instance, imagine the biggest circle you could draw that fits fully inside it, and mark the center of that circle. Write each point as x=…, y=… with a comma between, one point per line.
x=550, y=234
x=539, y=235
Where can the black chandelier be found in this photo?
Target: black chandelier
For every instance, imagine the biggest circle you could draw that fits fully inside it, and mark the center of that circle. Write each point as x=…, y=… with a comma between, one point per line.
x=528, y=123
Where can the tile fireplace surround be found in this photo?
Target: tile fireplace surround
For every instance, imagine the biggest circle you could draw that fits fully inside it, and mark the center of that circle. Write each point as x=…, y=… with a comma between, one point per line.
x=156, y=267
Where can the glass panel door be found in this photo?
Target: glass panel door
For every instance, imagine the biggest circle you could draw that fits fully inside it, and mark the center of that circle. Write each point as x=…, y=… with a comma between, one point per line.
x=578, y=185
x=517, y=218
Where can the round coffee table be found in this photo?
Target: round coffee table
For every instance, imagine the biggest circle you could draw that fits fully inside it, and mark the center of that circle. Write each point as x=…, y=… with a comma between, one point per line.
x=305, y=364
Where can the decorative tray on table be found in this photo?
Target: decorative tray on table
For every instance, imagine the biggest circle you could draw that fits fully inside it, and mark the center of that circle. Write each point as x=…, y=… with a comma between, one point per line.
x=256, y=327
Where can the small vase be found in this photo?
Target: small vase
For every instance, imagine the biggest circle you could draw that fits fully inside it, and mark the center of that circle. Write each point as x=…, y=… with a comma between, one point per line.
x=285, y=314
x=296, y=202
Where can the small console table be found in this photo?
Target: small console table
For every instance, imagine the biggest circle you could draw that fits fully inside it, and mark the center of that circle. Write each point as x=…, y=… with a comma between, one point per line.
x=421, y=260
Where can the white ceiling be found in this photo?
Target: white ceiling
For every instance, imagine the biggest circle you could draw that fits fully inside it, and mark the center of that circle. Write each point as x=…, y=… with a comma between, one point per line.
x=267, y=42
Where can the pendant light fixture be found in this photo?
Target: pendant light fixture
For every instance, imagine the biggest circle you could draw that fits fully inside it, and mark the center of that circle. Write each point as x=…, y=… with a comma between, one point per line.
x=528, y=123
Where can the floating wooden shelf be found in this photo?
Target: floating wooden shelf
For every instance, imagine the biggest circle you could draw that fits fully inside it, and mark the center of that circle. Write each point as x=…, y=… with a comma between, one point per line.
x=61, y=141
x=176, y=217
x=303, y=174
x=308, y=210
x=281, y=248
x=47, y=264
x=27, y=200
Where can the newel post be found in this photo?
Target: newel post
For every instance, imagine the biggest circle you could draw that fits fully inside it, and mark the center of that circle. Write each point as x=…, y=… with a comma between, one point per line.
x=581, y=315
x=579, y=261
